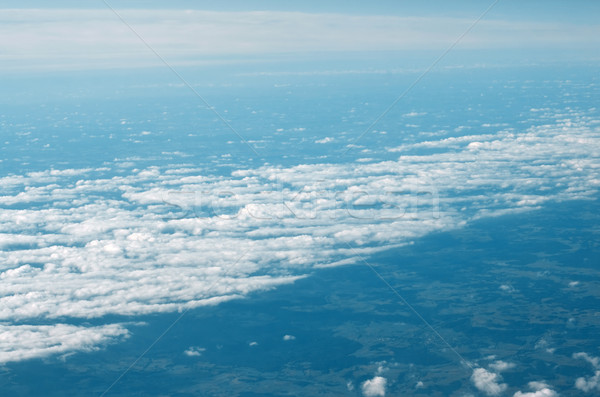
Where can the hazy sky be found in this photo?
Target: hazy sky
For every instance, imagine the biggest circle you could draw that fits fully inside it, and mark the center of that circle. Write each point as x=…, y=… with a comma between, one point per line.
x=88, y=34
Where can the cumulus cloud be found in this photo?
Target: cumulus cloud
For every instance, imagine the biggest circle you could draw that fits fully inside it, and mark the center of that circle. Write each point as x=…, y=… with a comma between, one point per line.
x=193, y=351
x=289, y=337
x=79, y=244
x=325, y=140
x=539, y=389
x=500, y=366
x=374, y=387
x=590, y=383
x=487, y=382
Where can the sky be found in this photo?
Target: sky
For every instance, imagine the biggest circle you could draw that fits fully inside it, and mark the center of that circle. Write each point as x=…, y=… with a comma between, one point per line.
x=98, y=34
x=535, y=10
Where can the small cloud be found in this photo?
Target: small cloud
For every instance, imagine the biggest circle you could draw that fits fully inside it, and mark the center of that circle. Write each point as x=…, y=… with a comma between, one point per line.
x=507, y=288
x=193, y=351
x=543, y=344
x=289, y=337
x=487, y=382
x=573, y=284
x=349, y=385
x=419, y=385
x=500, y=366
x=253, y=343
x=374, y=387
x=414, y=114
x=539, y=389
x=325, y=140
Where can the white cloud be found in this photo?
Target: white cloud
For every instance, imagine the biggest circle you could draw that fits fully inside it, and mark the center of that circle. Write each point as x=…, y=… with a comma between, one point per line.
x=374, y=387
x=84, y=38
x=500, y=366
x=590, y=383
x=289, y=337
x=539, y=389
x=81, y=245
x=22, y=342
x=594, y=361
x=193, y=351
x=325, y=140
x=487, y=382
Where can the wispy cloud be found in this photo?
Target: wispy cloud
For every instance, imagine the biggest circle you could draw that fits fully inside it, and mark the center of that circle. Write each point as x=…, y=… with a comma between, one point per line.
x=97, y=38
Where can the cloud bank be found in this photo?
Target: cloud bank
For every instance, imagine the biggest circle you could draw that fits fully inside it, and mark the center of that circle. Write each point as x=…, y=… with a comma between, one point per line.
x=87, y=243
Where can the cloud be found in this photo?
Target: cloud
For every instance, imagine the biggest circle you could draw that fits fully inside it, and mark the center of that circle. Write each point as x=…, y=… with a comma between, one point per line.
x=325, y=140
x=590, y=383
x=539, y=389
x=374, y=387
x=487, y=382
x=193, y=351
x=78, y=244
x=22, y=342
x=500, y=366
x=594, y=361
x=289, y=337
x=98, y=38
